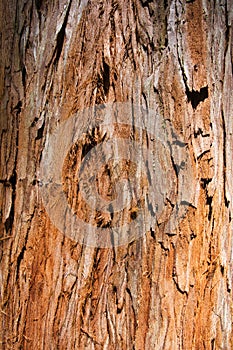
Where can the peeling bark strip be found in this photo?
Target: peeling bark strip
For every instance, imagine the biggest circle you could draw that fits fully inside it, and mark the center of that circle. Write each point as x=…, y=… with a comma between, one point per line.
x=164, y=290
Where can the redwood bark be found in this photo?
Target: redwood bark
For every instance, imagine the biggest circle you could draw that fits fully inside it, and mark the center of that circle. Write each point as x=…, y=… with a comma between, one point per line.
x=160, y=291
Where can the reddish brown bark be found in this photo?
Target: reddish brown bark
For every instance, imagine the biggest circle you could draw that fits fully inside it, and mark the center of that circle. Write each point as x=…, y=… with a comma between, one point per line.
x=160, y=291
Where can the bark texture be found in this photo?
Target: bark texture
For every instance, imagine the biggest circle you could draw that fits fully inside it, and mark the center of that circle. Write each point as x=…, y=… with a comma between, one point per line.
x=161, y=291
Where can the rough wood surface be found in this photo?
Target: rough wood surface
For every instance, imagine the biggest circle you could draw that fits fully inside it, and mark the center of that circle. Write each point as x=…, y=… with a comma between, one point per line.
x=160, y=291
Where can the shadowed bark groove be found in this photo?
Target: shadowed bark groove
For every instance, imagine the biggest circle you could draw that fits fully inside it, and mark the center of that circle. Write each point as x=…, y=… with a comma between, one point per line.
x=165, y=290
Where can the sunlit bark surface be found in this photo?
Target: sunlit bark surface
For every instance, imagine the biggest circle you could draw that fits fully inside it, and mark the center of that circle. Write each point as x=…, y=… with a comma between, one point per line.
x=162, y=291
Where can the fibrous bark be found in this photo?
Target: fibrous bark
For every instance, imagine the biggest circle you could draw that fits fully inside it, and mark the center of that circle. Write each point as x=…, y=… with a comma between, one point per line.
x=162, y=291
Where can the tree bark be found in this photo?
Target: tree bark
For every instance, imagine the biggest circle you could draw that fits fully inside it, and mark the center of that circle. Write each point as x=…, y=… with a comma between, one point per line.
x=160, y=291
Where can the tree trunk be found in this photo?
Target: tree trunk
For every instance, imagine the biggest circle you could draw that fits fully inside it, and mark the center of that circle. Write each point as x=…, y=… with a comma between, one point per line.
x=162, y=288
